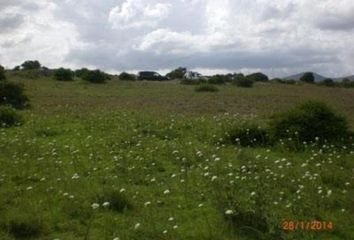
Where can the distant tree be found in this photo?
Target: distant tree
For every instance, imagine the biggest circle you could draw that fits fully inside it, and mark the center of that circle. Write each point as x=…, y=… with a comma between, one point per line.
x=2, y=73
x=94, y=76
x=241, y=81
x=46, y=72
x=127, y=77
x=308, y=77
x=30, y=65
x=328, y=82
x=258, y=77
x=81, y=72
x=17, y=68
x=347, y=83
x=218, y=79
x=177, y=73
x=63, y=74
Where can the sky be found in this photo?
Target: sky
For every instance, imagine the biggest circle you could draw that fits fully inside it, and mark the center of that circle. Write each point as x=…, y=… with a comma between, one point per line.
x=277, y=37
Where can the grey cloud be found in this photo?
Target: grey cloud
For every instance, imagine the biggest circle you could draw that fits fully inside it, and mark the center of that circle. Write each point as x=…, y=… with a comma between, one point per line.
x=7, y=3
x=336, y=23
x=10, y=22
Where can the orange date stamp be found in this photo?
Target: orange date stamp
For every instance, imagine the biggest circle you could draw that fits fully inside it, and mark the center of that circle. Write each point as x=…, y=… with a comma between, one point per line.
x=307, y=225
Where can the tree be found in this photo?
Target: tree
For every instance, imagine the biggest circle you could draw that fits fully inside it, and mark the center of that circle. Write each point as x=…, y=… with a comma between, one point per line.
x=81, y=72
x=218, y=79
x=177, y=73
x=346, y=82
x=308, y=77
x=241, y=81
x=63, y=74
x=30, y=65
x=94, y=76
x=2, y=73
x=127, y=77
x=328, y=82
x=258, y=77
x=17, y=68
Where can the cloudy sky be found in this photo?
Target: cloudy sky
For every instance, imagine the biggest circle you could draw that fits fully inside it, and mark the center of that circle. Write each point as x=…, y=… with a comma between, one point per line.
x=278, y=37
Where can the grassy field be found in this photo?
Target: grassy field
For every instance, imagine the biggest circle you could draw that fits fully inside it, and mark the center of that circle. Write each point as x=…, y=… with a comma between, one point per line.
x=146, y=160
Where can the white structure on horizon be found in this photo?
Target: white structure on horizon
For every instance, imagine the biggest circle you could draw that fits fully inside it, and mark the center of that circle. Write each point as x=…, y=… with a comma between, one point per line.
x=193, y=75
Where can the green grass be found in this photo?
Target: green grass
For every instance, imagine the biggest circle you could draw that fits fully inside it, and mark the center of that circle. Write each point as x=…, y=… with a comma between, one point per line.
x=155, y=152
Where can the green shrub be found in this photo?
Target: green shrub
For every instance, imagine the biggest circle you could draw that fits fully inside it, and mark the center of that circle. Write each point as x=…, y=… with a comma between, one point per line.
x=63, y=74
x=81, y=72
x=308, y=122
x=328, y=82
x=2, y=73
x=218, y=79
x=177, y=73
x=283, y=81
x=13, y=94
x=249, y=135
x=258, y=77
x=94, y=76
x=30, y=65
x=9, y=117
x=127, y=77
x=206, y=88
x=242, y=81
x=347, y=83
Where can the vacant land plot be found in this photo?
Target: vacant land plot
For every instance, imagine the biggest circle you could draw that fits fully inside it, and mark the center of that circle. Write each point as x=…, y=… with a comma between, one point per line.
x=148, y=160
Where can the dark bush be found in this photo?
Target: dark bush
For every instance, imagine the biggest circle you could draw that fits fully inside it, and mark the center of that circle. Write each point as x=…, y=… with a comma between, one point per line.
x=308, y=77
x=30, y=65
x=9, y=117
x=127, y=77
x=177, y=73
x=13, y=94
x=347, y=83
x=283, y=81
x=308, y=122
x=328, y=82
x=241, y=81
x=17, y=68
x=95, y=76
x=206, y=88
x=2, y=73
x=218, y=79
x=249, y=135
x=81, y=72
x=63, y=74
x=258, y=77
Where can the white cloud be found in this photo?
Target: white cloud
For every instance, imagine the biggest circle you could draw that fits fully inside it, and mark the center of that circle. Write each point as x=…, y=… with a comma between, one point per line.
x=39, y=37
x=278, y=37
x=138, y=13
